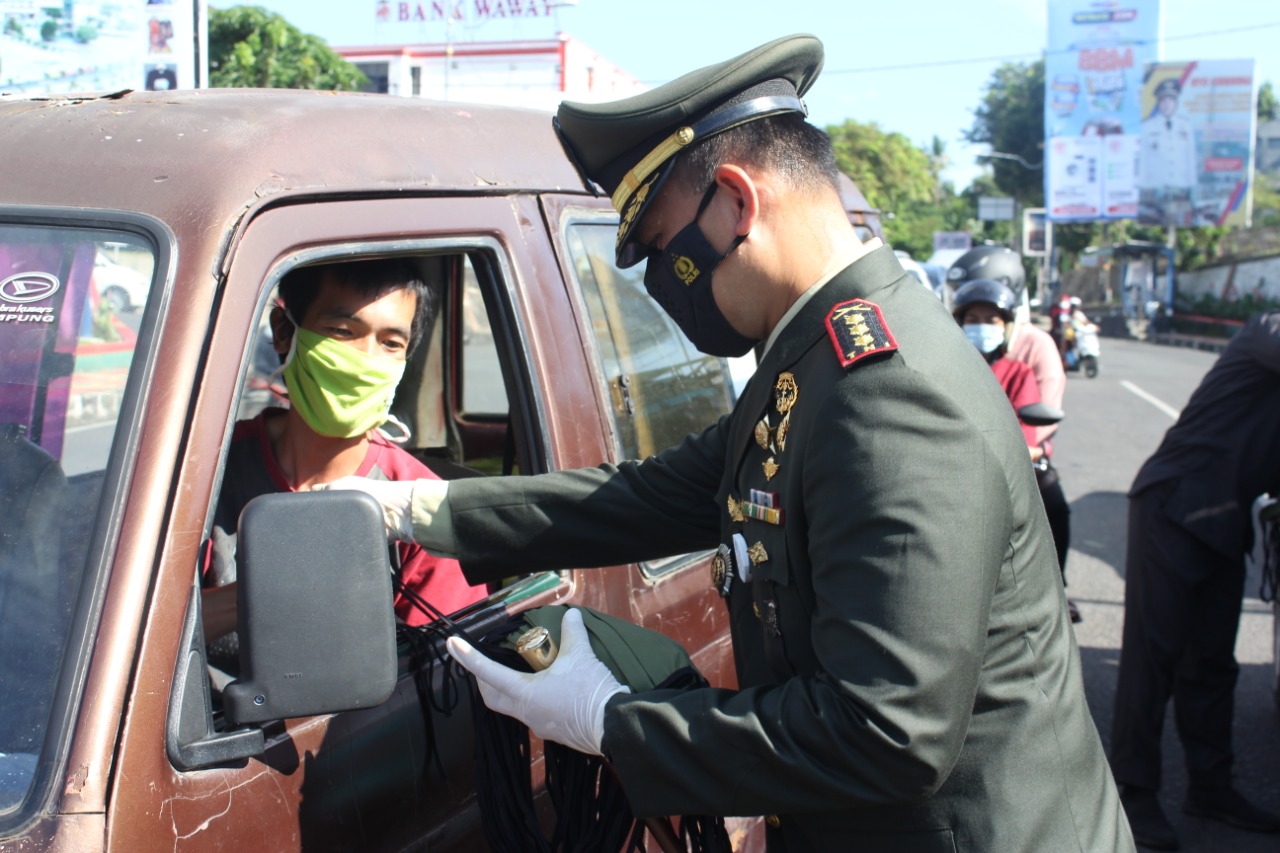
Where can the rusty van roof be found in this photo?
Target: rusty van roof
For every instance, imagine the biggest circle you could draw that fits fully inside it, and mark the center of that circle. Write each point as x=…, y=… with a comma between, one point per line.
x=180, y=154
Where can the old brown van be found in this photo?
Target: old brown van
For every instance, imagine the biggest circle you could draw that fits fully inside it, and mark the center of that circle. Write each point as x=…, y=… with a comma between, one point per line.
x=141, y=238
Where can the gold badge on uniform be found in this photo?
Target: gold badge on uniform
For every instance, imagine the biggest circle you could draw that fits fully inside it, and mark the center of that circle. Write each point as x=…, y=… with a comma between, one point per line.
x=735, y=510
x=770, y=617
x=758, y=554
x=770, y=468
x=785, y=392
x=764, y=434
x=783, y=429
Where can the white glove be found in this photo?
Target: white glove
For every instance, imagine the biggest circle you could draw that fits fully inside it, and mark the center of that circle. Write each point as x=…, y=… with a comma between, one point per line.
x=394, y=496
x=564, y=703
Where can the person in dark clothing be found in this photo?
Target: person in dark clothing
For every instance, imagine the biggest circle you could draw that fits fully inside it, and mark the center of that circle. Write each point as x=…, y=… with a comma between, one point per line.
x=1189, y=530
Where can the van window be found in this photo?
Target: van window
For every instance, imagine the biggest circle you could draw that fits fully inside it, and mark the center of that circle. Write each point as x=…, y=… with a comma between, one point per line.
x=455, y=364
x=70, y=311
x=482, y=390
x=660, y=386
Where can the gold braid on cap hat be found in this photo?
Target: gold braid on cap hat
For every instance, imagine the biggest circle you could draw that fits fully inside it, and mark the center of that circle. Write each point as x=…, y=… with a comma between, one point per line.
x=714, y=122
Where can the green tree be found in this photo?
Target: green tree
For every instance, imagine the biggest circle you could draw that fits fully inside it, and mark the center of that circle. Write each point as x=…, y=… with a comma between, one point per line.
x=1010, y=118
x=885, y=165
x=49, y=30
x=86, y=33
x=1268, y=107
x=902, y=180
x=251, y=47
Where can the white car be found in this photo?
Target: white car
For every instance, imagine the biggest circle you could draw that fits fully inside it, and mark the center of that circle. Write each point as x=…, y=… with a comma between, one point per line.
x=125, y=289
x=913, y=267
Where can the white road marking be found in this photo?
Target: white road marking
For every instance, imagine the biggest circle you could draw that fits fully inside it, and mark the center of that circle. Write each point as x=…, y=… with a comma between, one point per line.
x=1155, y=401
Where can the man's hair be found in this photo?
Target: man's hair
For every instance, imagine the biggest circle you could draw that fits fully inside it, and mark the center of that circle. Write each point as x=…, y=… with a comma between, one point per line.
x=299, y=287
x=785, y=144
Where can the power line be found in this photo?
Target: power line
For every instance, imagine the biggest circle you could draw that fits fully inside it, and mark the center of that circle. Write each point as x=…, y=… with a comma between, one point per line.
x=1016, y=57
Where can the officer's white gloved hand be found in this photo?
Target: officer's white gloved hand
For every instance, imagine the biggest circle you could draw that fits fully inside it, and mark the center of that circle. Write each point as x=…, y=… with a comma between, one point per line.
x=394, y=496
x=564, y=703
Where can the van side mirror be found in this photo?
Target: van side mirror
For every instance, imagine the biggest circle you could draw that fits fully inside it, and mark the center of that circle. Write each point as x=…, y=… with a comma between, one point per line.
x=317, y=629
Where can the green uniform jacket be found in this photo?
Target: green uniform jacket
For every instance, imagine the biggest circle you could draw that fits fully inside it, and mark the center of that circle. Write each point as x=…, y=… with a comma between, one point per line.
x=909, y=679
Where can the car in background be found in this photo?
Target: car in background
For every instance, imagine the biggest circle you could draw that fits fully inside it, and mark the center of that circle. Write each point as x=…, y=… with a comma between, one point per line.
x=124, y=289
x=913, y=267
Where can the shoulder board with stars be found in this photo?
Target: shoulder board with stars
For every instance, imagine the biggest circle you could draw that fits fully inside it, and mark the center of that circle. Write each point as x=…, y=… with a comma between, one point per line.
x=857, y=330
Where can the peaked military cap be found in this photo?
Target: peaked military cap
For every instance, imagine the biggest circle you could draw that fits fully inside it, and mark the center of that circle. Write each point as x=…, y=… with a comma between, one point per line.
x=1169, y=88
x=629, y=146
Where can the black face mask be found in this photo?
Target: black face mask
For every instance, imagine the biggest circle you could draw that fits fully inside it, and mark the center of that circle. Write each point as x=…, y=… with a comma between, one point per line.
x=679, y=279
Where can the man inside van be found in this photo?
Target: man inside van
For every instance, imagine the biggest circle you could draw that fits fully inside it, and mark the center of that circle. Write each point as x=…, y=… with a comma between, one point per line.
x=343, y=332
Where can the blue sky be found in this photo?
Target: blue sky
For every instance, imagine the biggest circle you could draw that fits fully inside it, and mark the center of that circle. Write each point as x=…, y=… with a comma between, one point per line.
x=870, y=46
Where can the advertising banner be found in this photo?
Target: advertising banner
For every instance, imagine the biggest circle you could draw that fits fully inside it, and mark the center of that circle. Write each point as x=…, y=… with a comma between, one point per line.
x=1197, y=141
x=82, y=46
x=1097, y=50
x=952, y=240
x=1037, y=233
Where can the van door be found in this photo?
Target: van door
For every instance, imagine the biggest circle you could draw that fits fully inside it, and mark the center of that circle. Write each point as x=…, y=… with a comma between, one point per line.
x=400, y=774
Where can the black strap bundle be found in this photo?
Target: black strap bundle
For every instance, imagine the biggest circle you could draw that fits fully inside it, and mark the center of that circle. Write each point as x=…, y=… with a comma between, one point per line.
x=591, y=809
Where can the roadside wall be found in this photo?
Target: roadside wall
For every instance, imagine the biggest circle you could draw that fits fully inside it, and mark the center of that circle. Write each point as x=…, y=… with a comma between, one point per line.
x=1258, y=277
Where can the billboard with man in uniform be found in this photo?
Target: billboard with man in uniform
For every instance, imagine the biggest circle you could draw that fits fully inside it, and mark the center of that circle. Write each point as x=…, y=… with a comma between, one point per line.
x=1167, y=160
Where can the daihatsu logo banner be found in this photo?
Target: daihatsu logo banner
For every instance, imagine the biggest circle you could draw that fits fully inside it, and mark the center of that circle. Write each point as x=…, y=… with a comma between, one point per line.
x=28, y=287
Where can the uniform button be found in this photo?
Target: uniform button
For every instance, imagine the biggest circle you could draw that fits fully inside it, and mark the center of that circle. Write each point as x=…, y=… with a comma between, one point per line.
x=755, y=608
x=773, y=820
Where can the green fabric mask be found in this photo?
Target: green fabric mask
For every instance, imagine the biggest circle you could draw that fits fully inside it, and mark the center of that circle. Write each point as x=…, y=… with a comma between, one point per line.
x=338, y=390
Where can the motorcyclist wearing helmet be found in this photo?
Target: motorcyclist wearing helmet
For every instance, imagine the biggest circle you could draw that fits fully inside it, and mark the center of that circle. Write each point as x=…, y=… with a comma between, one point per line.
x=984, y=309
x=1036, y=348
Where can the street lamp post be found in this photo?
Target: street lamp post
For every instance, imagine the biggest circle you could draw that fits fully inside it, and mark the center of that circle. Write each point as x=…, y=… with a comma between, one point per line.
x=1017, y=207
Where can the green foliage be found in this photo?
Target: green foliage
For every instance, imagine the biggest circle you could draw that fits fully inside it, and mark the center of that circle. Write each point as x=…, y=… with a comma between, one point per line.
x=1268, y=107
x=1010, y=119
x=914, y=222
x=886, y=166
x=12, y=25
x=251, y=47
x=1209, y=305
x=86, y=33
x=49, y=30
x=902, y=180
x=1266, y=203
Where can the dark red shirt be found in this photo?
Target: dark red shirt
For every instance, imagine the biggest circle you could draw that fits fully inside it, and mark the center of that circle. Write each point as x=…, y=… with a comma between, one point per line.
x=1019, y=383
x=253, y=470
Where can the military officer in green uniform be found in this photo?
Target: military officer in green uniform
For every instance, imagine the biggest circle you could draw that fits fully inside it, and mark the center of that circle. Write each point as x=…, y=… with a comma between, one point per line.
x=908, y=676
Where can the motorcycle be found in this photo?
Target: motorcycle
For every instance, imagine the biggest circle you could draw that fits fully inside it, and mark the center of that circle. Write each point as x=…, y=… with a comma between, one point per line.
x=1082, y=348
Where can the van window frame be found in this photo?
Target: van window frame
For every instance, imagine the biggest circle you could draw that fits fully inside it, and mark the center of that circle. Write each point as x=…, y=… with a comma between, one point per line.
x=656, y=570
x=88, y=600
x=526, y=401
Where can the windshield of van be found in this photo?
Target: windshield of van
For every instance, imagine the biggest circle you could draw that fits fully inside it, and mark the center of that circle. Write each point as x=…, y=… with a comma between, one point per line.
x=70, y=305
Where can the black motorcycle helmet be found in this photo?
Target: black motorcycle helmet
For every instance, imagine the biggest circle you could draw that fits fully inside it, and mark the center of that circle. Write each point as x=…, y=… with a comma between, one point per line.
x=985, y=290
x=992, y=263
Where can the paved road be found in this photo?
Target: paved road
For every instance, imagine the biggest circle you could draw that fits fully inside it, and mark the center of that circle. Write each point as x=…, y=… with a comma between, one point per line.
x=1114, y=422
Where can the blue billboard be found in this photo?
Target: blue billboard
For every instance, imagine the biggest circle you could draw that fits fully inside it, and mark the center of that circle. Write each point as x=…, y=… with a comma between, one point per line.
x=1097, y=50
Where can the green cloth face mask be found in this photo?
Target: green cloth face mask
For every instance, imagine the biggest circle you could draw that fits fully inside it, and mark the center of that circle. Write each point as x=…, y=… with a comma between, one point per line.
x=338, y=390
